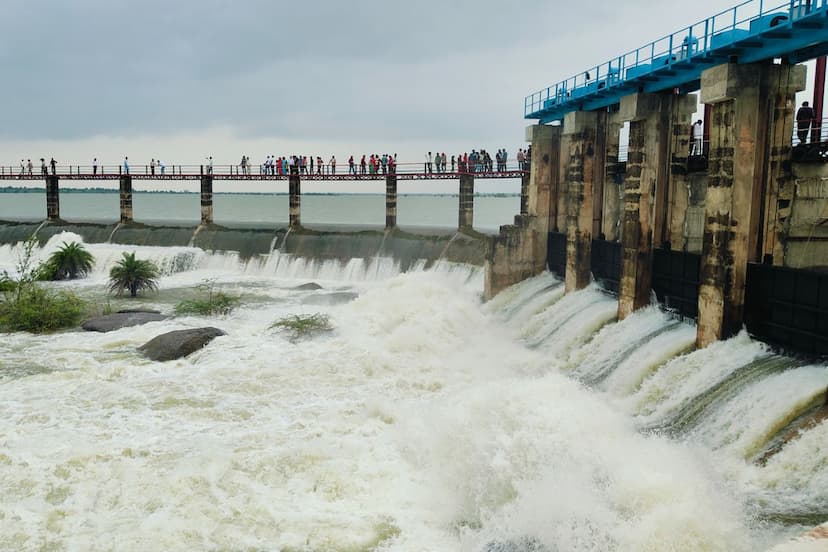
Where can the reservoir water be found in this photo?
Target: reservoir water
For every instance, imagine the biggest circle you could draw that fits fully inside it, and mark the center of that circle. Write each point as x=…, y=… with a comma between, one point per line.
x=426, y=420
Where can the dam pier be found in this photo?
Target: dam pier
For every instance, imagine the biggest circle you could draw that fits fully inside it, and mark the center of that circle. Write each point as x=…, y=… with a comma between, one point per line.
x=736, y=233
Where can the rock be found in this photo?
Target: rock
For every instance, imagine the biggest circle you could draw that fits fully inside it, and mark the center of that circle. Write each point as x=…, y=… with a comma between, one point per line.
x=178, y=344
x=153, y=311
x=335, y=298
x=112, y=322
x=310, y=286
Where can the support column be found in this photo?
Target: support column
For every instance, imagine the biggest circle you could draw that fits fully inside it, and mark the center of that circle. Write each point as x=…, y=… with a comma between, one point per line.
x=52, y=197
x=738, y=180
x=206, y=199
x=466, y=210
x=679, y=187
x=390, y=201
x=644, y=193
x=295, y=200
x=524, y=194
x=519, y=250
x=581, y=128
x=613, y=182
x=782, y=85
x=125, y=184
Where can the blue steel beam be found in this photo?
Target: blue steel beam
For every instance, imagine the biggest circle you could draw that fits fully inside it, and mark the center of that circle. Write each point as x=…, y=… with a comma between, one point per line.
x=748, y=33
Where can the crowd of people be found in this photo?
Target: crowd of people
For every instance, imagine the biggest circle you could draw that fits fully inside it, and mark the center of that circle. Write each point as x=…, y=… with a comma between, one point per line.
x=375, y=164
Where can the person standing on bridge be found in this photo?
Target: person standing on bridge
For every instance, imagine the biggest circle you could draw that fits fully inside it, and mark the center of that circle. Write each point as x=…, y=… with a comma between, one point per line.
x=698, y=138
x=22, y=167
x=126, y=165
x=427, y=167
x=333, y=164
x=53, y=164
x=804, y=118
x=452, y=163
x=43, y=169
x=95, y=166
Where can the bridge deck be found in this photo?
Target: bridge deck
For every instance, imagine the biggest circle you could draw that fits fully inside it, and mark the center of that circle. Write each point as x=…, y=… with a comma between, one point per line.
x=753, y=31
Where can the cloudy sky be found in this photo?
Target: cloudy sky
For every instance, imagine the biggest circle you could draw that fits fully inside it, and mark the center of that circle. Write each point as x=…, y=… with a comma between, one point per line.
x=185, y=79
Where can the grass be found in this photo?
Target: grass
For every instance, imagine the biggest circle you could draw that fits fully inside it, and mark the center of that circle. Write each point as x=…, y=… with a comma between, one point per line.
x=303, y=326
x=214, y=303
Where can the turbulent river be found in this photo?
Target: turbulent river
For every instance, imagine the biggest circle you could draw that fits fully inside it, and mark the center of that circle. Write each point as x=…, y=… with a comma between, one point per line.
x=426, y=420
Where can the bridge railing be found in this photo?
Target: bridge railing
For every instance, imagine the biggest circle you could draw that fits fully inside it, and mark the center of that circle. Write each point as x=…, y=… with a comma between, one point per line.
x=717, y=31
x=259, y=169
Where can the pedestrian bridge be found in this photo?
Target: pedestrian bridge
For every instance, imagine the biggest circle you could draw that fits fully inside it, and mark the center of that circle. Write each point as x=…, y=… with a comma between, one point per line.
x=754, y=31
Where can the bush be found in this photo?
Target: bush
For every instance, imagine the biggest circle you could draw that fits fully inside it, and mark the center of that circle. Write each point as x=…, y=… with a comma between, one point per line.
x=31, y=308
x=71, y=261
x=215, y=303
x=134, y=275
x=28, y=307
x=301, y=326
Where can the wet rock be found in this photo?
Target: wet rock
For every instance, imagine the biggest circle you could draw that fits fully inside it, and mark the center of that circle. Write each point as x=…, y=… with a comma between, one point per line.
x=336, y=298
x=178, y=343
x=153, y=311
x=310, y=286
x=112, y=322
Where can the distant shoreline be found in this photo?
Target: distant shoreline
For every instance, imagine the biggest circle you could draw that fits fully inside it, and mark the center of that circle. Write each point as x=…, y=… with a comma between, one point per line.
x=21, y=190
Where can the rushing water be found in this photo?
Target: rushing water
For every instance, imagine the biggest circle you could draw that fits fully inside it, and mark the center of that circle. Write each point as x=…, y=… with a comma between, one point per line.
x=427, y=420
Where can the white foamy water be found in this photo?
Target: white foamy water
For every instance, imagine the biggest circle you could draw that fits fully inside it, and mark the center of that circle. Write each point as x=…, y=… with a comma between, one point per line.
x=425, y=421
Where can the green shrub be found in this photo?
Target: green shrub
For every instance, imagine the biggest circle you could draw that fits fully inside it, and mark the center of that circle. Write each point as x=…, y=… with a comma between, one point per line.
x=214, y=303
x=31, y=308
x=134, y=275
x=71, y=261
x=302, y=326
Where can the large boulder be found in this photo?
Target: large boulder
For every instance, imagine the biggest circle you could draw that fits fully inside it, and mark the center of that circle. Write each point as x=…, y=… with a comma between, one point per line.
x=310, y=286
x=118, y=320
x=178, y=344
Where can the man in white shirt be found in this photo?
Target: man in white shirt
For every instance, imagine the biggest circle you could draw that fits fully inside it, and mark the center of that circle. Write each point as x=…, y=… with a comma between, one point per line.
x=698, y=138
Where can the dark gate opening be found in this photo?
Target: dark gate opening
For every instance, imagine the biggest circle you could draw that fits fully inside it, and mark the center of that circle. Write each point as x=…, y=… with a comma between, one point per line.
x=676, y=281
x=556, y=253
x=788, y=307
x=606, y=264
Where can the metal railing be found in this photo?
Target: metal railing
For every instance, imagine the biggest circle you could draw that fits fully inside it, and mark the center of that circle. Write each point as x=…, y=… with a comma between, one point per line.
x=167, y=171
x=685, y=44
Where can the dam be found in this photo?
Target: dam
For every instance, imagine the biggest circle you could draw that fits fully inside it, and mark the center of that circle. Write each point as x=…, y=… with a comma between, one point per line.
x=637, y=363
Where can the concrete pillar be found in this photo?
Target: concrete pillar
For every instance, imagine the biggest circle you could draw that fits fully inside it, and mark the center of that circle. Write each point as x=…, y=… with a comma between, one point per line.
x=52, y=197
x=613, y=182
x=519, y=250
x=524, y=194
x=678, y=187
x=644, y=190
x=465, y=213
x=782, y=87
x=206, y=199
x=581, y=128
x=125, y=184
x=391, y=201
x=738, y=182
x=295, y=200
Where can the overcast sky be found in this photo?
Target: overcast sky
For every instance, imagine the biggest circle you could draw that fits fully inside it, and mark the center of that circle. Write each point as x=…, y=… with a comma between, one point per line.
x=185, y=79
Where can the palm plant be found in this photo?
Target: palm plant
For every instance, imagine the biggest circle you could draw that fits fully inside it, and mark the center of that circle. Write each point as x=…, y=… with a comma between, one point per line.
x=71, y=261
x=133, y=274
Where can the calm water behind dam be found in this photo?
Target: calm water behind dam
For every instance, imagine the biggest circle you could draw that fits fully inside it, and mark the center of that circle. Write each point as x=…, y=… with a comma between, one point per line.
x=359, y=209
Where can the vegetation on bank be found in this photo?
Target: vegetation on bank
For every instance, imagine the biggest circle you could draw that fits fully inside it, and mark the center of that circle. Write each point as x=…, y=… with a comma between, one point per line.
x=26, y=306
x=212, y=303
x=133, y=275
x=301, y=326
x=69, y=262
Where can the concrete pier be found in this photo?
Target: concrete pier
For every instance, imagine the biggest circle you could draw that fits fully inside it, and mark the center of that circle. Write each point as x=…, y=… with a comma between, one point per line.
x=524, y=194
x=678, y=185
x=206, y=199
x=580, y=130
x=295, y=200
x=391, y=201
x=737, y=184
x=52, y=197
x=465, y=213
x=125, y=186
x=613, y=188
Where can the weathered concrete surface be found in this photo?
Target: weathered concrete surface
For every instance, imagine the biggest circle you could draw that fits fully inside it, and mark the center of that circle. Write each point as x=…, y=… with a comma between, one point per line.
x=519, y=251
x=737, y=180
x=206, y=199
x=295, y=200
x=116, y=321
x=806, y=229
x=52, y=197
x=465, y=208
x=178, y=344
x=581, y=129
x=391, y=201
x=613, y=192
x=125, y=188
x=678, y=197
